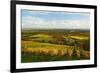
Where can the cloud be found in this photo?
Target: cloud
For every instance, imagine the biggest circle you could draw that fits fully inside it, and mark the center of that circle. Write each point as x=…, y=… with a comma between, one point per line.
x=39, y=23
x=38, y=12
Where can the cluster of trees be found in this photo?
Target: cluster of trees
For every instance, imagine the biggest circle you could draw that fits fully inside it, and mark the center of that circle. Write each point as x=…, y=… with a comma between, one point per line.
x=84, y=44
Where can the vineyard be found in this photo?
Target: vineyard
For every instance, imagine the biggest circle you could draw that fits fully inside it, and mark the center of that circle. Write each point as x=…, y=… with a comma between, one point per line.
x=43, y=46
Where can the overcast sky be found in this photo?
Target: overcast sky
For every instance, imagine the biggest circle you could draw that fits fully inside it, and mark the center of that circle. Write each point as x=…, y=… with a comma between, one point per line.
x=54, y=20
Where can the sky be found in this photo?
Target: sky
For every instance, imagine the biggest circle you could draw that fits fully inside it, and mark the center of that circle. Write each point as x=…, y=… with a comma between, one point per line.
x=54, y=20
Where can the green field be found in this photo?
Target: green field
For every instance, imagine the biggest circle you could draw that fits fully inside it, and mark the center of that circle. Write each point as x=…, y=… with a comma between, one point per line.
x=54, y=45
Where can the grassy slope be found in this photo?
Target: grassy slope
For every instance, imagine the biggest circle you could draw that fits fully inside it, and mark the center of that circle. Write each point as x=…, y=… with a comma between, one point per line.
x=30, y=57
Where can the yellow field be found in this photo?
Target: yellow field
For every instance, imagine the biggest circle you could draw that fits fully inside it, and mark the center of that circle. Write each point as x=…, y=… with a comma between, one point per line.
x=80, y=37
x=41, y=36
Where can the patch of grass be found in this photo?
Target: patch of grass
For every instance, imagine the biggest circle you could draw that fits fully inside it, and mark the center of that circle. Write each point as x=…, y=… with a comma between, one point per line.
x=26, y=58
